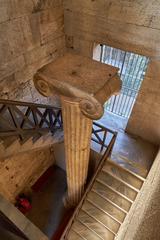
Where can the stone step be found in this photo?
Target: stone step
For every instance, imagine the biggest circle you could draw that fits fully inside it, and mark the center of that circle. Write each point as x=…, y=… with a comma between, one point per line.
x=113, y=196
x=124, y=174
x=41, y=142
x=135, y=167
x=8, y=141
x=84, y=231
x=75, y=236
x=101, y=230
x=119, y=186
x=120, y=179
x=105, y=219
x=106, y=205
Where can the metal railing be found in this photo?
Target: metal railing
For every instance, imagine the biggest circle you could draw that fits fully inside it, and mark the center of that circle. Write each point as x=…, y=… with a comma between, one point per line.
x=106, y=154
x=24, y=119
x=101, y=136
x=132, y=68
x=21, y=118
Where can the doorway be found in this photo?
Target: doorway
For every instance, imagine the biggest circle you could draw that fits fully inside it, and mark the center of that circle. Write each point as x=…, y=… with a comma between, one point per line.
x=132, y=69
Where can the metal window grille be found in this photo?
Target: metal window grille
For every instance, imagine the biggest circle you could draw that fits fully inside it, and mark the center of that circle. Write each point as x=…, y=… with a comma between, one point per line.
x=132, y=68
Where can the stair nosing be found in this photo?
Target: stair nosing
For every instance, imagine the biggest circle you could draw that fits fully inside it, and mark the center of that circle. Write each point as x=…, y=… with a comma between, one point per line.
x=135, y=165
x=98, y=221
x=108, y=200
x=78, y=234
x=126, y=169
x=114, y=190
x=95, y=205
x=84, y=224
x=120, y=180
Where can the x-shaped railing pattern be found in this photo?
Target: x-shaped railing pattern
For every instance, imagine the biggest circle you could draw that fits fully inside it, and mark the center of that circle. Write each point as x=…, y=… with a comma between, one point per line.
x=21, y=118
x=102, y=135
x=25, y=119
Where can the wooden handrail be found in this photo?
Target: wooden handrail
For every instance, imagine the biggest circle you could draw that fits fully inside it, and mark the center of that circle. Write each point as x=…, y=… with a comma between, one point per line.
x=19, y=103
x=89, y=186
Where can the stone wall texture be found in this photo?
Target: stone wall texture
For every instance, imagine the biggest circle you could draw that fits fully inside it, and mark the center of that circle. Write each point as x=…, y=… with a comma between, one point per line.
x=31, y=35
x=142, y=222
x=130, y=26
x=19, y=172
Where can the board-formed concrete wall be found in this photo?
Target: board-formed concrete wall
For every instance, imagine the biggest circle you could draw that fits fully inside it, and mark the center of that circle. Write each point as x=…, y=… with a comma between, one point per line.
x=19, y=172
x=142, y=222
x=127, y=25
x=31, y=35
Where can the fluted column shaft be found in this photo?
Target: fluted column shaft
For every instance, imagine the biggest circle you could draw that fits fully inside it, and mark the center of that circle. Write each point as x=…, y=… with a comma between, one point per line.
x=83, y=85
x=77, y=138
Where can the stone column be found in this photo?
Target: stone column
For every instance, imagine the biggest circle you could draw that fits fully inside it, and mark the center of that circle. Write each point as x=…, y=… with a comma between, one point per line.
x=83, y=86
x=77, y=138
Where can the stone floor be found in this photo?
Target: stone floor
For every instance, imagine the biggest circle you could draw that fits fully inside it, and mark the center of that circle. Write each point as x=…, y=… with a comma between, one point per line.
x=6, y=235
x=129, y=150
x=113, y=121
x=47, y=204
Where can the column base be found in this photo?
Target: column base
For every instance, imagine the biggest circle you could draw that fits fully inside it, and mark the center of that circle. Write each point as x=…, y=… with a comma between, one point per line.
x=67, y=202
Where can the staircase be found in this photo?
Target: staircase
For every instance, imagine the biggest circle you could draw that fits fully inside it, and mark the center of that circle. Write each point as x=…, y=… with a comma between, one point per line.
x=106, y=203
x=114, y=187
x=28, y=126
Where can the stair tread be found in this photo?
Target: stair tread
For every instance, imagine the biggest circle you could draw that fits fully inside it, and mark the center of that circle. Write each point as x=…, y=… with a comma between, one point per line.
x=103, y=210
x=97, y=227
x=101, y=217
x=120, y=180
x=8, y=141
x=73, y=235
x=26, y=139
x=106, y=206
x=112, y=196
x=90, y=228
x=110, y=201
x=114, y=190
x=117, y=185
x=84, y=231
x=132, y=166
x=109, y=161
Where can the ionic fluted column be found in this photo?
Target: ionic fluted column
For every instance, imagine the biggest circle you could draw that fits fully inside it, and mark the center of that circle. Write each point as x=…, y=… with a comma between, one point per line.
x=83, y=86
x=77, y=138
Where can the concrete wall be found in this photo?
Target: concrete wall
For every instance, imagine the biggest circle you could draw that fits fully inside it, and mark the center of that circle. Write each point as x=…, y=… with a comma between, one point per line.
x=32, y=35
x=128, y=25
x=142, y=222
x=18, y=173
